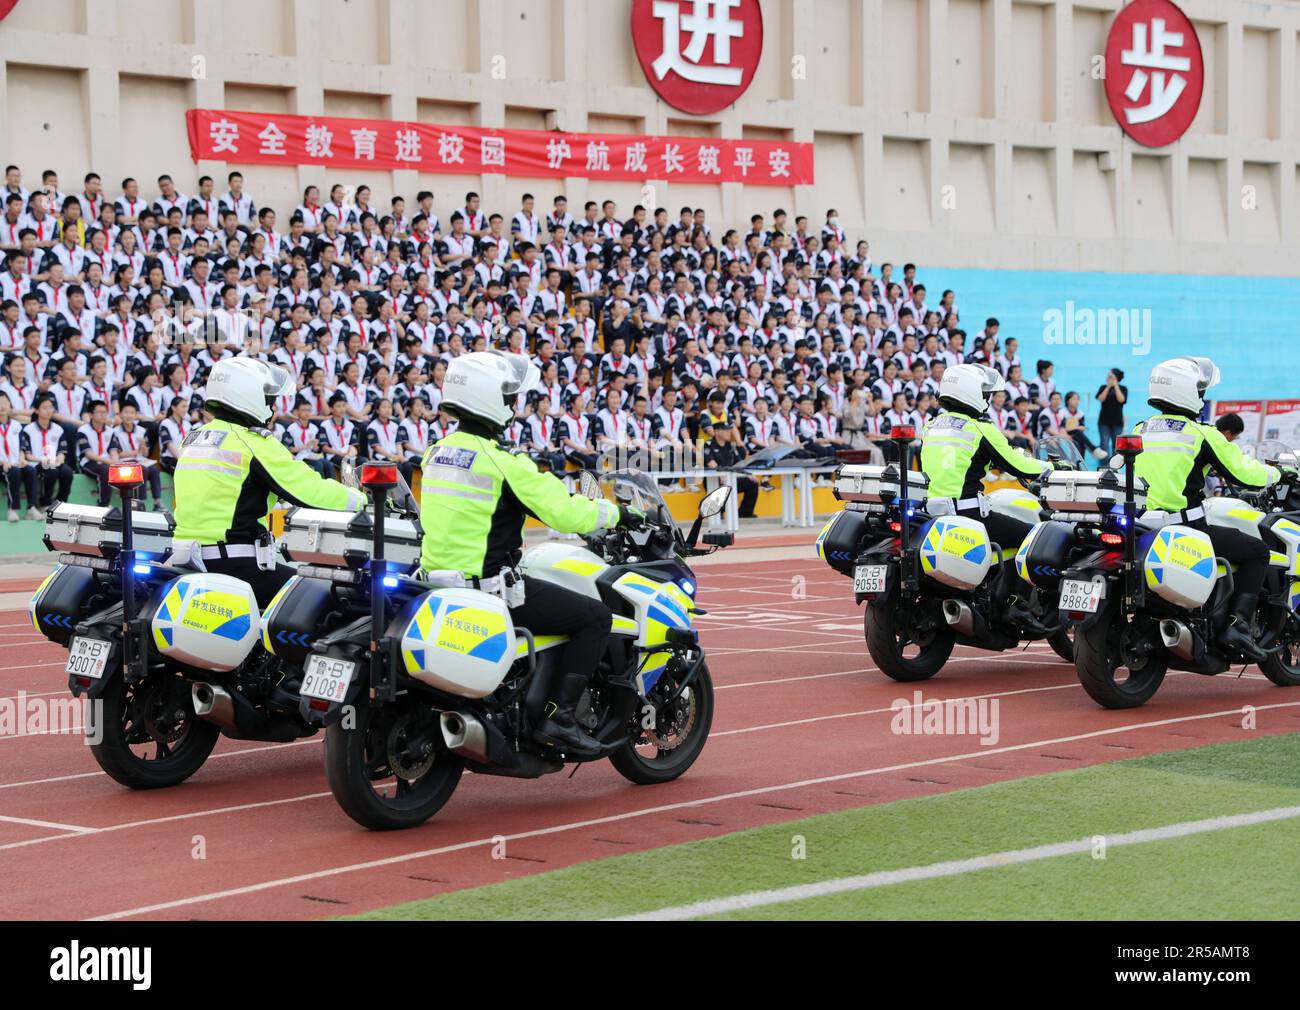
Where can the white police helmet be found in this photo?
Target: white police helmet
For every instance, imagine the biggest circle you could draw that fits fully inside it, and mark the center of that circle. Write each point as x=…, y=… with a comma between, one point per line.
x=969, y=385
x=484, y=384
x=248, y=386
x=1180, y=384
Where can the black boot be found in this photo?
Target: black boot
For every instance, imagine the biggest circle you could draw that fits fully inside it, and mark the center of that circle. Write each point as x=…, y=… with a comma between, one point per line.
x=559, y=727
x=1236, y=634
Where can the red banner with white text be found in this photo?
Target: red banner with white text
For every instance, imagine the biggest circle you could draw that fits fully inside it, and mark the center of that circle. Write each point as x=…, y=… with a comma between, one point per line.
x=261, y=138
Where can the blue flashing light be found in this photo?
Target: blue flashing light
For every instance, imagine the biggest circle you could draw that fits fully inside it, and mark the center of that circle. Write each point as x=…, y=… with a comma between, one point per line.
x=142, y=569
x=688, y=587
x=390, y=581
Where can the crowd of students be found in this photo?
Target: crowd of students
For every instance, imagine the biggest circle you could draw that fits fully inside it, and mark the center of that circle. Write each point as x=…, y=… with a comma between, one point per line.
x=655, y=335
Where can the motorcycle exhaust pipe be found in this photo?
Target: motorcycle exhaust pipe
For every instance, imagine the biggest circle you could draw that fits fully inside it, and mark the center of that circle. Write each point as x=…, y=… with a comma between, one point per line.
x=464, y=735
x=1178, y=638
x=960, y=616
x=214, y=704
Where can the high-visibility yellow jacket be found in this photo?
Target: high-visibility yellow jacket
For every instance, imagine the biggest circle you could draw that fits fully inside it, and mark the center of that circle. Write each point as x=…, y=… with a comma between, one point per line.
x=228, y=477
x=1175, y=453
x=958, y=449
x=475, y=496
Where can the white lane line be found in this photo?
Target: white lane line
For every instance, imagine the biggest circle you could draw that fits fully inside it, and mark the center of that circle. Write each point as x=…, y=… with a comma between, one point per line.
x=75, y=829
x=846, y=673
x=33, y=666
x=895, y=708
x=213, y=757
x=333, y=871
x=957, y=867
x=189, y=815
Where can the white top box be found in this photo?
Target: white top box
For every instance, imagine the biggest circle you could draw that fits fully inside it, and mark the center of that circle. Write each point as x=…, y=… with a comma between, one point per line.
x=868, y=484
x=97, y=532
x=344, y=539
x=1088, y=490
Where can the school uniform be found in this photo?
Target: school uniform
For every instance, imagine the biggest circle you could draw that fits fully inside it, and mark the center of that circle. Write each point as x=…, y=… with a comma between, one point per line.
x=43, y=446
x=19, y=476
x=100, y=442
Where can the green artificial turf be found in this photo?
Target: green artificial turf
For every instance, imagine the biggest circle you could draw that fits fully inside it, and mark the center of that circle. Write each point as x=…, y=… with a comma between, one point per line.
x=1246, y=872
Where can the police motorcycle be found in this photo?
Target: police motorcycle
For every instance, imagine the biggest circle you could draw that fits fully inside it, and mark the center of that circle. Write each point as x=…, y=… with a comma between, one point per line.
x=436, y=679
x=170, y=657
x=1154, y=597
x=931, y=579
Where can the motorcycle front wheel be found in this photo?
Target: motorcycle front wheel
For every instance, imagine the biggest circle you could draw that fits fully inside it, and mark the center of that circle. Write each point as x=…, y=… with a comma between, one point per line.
x=1283, y=667
x=1115, y=663
x=148, y=734
x=383, y=767
x=679, y=729
x=908, y=642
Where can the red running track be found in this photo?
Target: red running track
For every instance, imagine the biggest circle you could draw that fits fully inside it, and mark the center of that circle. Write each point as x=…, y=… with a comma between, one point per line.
x=803, y=726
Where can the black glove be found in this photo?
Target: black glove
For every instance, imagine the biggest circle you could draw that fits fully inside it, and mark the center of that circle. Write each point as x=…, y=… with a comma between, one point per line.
x=630, y=518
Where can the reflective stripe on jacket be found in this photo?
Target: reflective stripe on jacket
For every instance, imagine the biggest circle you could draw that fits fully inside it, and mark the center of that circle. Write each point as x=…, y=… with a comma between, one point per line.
x=475, y=496
x=228, y=477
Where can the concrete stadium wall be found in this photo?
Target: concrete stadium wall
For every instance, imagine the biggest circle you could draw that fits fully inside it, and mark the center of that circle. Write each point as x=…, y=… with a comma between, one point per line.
x=952, y=132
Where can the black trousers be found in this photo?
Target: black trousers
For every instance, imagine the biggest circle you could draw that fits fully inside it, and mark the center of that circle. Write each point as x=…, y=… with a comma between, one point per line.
x=17, y=479
x=1248, y=553
x=99, y=471
x=549, y=609
x=747, y=488
x=586, y=460
x=265, y=584
x=52, y=478
x=153, y=482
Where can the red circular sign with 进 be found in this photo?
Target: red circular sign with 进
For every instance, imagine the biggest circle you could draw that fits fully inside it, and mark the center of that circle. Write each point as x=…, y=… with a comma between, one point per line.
x=698, y=55
x=1154, y=72
x=6, y=6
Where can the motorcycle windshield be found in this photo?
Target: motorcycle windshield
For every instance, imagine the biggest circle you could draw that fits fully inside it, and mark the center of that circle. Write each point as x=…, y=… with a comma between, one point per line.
x=1059, y=447
x=1272, y=450
x=640, y=491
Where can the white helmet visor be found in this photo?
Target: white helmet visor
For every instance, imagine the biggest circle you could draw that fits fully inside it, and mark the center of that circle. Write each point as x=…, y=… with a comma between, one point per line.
x=1209, y=373
x=279, y=382
x=523, y=374
x=992, y=381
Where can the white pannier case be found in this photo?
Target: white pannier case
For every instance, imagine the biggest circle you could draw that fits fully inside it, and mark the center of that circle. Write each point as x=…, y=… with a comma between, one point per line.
x=345, y=539
x=207, y=621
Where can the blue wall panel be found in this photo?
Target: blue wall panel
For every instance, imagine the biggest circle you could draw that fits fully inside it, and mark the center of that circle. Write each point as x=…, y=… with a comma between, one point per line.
x=1247, y=324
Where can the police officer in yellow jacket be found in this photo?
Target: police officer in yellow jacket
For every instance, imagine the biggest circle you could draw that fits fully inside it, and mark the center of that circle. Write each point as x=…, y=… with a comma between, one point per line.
x=232, y=470
x=958, y=448
x=475, y=496
x=1176, y=450
x=961, y=445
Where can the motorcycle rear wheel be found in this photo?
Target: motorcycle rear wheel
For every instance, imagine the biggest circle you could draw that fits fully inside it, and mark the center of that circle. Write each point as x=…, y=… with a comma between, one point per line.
x=156, y=713
x=359, y=763
x=674, y=752
x=890, y=628
x=1062, y=643
x=1103, y=650
x=1283, y=667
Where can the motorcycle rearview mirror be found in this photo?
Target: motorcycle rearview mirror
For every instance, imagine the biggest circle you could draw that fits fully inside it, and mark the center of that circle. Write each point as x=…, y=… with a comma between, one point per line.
x=710, y=505
x=715, y=501
x=588, y=485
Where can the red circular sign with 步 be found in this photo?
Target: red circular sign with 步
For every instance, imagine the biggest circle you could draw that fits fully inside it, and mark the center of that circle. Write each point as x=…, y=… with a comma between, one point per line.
x=1154, y=72
x=698, y=55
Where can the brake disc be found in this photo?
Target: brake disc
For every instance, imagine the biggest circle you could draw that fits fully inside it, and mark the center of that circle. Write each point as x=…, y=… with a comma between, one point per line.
x=404, y=764
x=680, y=729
